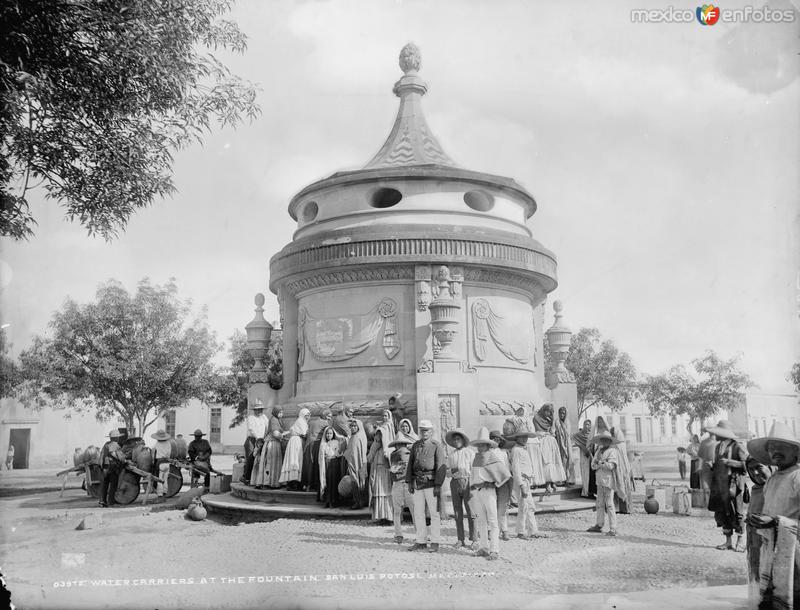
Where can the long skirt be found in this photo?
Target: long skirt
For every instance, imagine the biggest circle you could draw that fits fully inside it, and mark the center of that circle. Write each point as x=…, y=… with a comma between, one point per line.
x=273, y=464
x=694, y=474
x=257, y=474
x=586, y=473
x=535, y=451
x=315, y=468
x=551, y=457
x=334, y=471
x=292, y=469
x=728, y=507
x=308, y=464
x=380, y=485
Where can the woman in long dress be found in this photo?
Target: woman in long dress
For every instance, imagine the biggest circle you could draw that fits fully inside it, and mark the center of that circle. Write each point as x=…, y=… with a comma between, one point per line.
x=625, y=472
x=388, y=432
x=292, y=469
x=356, y=456
x=380, y=480
x=581, y=439
x=331, y=467
x=550, y=454
x=273, y=457
x=258, y=477
x=694, y=454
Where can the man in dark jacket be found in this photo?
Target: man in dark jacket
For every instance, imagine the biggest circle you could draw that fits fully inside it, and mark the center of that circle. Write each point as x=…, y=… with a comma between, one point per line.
x=200, y=457
x=427, y=469
x=112, y=461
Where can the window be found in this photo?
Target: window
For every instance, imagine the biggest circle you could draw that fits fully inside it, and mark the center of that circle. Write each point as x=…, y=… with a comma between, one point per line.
x=216, y=424
x=609, y=420
x=662, y=426
x=169, y=422
x=622, y=425
x=674, y=421
x=638, y=423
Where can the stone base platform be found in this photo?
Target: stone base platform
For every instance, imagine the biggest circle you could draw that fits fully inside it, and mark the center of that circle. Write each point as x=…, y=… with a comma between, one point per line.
x=245, y=503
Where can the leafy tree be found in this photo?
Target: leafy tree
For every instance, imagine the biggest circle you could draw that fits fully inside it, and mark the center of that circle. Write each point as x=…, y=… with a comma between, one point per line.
x=9, y=371
x=717, y=385
x=230, y=386
x=604, y=374
x=132, y=356
x=95, y=97
x=794, y=376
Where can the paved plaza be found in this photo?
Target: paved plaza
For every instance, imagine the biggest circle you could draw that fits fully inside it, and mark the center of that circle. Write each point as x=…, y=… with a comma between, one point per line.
x=145, y=557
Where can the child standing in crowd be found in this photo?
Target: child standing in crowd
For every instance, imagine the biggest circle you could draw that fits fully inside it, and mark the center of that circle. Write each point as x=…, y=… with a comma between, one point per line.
x=682, y=462
x=401, y=497
x=504, y=491
x=605, y=463
x=459, y=463
x=488, y=473
x=522, y=473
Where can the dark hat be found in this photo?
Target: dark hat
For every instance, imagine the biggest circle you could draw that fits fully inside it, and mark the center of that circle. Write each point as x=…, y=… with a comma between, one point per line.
x=198, y=432
x=402, y=439
x=601, y=431
x=451, y=434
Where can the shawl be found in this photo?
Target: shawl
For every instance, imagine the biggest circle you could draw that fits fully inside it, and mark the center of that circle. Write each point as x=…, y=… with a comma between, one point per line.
x=543, y=419
x=300, y=425
x=617, y=482
x=388, y=433
x=625, y=472
x=356, y=453
x=377, y=451
x=563, y=436
x=411, y=434
x=275, y=428
x=494, y=468
x=581, y=439
x=324, y=447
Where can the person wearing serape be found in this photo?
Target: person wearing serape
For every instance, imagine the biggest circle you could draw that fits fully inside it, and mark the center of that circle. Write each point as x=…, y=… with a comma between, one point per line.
x=605, y=463
x=331, y=467
x=162, y=452
x=522, y=477
x=292, y=467
x=726, y=498
x=256, y=428
x=550, y=454
x=504, y=492
x=779, y=522
x=426, y=472
x=582, y=439
x=272, y=458
x=112, y=462
x=487, y=474
x=200, y=456
x=356, y=456
x=758, y=473
x=563, y=434
x=380, y=480
x=459, y=464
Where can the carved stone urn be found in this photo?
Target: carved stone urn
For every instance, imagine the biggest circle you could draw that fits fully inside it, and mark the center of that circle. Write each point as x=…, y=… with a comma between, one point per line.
x=444, y=325
x=559, y=338
x=259, y=332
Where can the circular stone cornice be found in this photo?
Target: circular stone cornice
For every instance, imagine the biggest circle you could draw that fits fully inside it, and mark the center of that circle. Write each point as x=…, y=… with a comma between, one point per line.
x=407, y=245
x=415, y=172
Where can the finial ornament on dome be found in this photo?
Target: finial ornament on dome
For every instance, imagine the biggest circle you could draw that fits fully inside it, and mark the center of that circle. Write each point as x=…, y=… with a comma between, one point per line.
x=410, y=59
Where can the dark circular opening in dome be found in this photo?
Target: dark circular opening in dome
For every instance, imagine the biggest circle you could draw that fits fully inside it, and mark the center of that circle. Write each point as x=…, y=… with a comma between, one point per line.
x=479, y=200
x=385, y=198
x=310, y=211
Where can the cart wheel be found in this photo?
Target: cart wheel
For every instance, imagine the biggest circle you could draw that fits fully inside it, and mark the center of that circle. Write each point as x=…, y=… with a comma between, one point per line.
x=174, y=481
x=128, y=487
x=93, y=485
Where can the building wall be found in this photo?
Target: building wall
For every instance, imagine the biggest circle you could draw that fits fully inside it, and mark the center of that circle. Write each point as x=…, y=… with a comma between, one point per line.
x=761, y=410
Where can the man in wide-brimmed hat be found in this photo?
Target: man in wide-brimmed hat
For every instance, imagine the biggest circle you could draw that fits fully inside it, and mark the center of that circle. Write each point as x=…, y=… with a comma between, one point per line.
x=256, y=429
x=162, y=452
x=605, y=463
x=426, y=472
x=727, y=484
x=111, y=461
x=487, y=474
x=459, y=463
x=200, y=457
x=779, y=522
x=522, y=473
x=398, y=463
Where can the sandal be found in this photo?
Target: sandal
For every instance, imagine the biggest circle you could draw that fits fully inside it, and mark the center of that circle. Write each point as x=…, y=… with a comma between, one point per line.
x=724, y=547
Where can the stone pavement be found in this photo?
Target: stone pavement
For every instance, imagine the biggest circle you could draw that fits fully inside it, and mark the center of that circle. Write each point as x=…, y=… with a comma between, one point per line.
x=657, y=561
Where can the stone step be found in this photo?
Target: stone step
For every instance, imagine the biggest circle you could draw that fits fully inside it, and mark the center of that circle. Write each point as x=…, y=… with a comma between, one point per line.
x=274, y=496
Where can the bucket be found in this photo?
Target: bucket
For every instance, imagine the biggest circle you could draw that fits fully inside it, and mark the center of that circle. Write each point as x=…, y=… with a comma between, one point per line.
x=681, y=501
x=91, y=455
x=142, y=457
x=700, y=498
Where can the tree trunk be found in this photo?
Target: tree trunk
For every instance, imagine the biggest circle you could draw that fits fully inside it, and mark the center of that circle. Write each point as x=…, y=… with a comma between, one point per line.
x=141, y=419
x=689, y=426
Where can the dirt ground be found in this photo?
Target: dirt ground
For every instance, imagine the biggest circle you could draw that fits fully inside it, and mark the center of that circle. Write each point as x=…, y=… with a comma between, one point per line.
x=153, y=557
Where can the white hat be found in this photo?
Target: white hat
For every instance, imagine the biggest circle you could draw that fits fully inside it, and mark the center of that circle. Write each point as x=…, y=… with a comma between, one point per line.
x=425, y=423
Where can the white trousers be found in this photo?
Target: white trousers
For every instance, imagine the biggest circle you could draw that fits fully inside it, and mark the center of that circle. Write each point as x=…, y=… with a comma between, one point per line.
x=526, y=514
x=604, y=504
x=163, y=475
x=423, y=498
x=483, y=502
x=401, y=497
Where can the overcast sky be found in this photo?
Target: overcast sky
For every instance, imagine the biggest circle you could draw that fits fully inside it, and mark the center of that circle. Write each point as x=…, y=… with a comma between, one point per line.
x=664, y=157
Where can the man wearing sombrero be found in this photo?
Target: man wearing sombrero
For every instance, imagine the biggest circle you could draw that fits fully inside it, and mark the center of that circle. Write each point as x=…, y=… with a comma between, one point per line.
x=605, y=463
x=459, y=463
x=486, y=475
x=779, y=523
x=200, y=456
x=726, y=497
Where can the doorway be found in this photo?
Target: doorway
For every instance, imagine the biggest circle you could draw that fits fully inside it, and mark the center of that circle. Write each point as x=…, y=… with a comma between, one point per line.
x=21, y=439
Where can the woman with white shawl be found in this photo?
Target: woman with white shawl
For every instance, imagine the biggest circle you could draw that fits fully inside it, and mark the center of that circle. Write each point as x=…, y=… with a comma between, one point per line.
x=388, y=433
x=331, y=466
x=292, y=469
x=407, y=428
x=356, y=456
x=625, y=472
x=380, y=479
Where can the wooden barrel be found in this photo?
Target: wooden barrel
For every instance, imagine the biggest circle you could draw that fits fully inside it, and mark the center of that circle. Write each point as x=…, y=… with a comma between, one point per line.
x=174, y=481
x=91, y=455
x=95, y=480
x=142, y=457
x=130, y=444
x=127, y=488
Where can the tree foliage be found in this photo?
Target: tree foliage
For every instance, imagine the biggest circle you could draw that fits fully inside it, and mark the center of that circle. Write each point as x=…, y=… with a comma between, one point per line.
x=231, y=384
x=716, y=385
x=95, y=96
x=604, y=374
x=9, y=371
x=131, y=356
x=794, y=376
